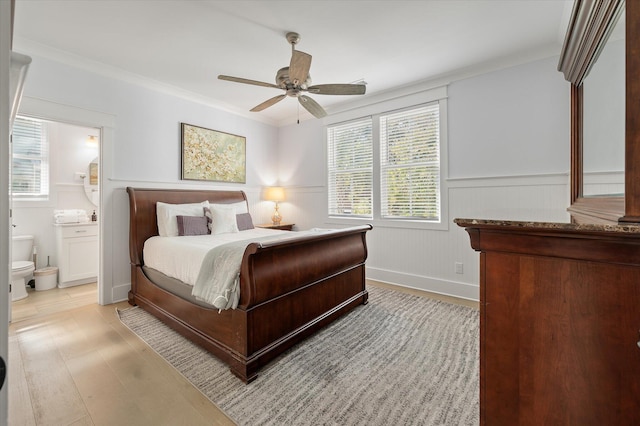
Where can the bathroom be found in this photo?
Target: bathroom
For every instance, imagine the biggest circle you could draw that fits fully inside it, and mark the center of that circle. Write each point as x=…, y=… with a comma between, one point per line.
x=73, y=164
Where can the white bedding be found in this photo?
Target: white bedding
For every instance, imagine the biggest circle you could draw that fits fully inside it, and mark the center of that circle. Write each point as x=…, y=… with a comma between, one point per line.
x=181, y=257
x=210, y=263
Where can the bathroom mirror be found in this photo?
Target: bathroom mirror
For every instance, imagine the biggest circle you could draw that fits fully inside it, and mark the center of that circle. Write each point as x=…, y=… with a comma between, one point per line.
x=91, y=182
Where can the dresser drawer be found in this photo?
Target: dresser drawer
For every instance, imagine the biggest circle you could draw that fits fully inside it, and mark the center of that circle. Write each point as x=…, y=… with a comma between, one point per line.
x=78, y=231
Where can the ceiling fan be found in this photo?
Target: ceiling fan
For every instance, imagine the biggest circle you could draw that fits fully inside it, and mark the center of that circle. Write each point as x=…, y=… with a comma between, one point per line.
x=295, y=80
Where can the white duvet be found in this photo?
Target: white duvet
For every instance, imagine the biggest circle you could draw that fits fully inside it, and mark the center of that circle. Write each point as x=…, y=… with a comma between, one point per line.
x=210, y=263
x=181, y=257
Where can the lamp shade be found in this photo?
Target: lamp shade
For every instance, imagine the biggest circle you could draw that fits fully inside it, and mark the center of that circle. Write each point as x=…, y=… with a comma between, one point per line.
x=274, y=193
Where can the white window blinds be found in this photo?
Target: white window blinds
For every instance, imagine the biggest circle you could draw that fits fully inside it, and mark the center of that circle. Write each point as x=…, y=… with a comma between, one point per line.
x=350, y=168
x=410, y=164
x=30, y=159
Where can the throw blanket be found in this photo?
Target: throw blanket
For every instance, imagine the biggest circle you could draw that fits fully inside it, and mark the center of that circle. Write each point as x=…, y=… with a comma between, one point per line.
x=218, y=281
x=219, y=277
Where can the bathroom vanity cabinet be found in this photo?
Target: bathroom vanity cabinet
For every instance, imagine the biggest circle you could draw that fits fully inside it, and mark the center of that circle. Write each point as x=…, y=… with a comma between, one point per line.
x=77, y=249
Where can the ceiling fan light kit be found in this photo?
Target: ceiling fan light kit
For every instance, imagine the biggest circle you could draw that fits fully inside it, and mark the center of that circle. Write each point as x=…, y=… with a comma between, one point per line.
x=295, y=80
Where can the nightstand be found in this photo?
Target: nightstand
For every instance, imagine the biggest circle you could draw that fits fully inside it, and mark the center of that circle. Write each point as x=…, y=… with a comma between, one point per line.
x=282, y=226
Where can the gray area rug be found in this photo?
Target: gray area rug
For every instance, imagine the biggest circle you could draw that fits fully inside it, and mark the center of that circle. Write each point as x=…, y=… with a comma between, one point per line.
x=400, y=360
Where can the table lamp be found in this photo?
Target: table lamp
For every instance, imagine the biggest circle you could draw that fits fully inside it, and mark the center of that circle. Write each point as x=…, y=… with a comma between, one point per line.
x=275, y=193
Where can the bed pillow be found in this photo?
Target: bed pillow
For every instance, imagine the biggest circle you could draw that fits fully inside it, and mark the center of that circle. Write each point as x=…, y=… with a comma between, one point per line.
x=244, y=221
x=243, y=218
x=192, y=225
x=240, y=207
x=221, y=219
x=167, y=213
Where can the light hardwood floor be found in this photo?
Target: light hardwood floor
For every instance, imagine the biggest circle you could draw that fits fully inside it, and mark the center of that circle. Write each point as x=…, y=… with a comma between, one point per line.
x=78, y=365
x=40, y=303
x=72, y=362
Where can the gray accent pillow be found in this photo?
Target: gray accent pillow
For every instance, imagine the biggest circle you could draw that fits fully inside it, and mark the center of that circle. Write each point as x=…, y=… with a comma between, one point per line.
x=244, y=221
x=192, y=225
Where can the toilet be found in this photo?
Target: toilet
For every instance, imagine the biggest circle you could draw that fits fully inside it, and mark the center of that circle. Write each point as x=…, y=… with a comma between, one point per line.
x=21, y=265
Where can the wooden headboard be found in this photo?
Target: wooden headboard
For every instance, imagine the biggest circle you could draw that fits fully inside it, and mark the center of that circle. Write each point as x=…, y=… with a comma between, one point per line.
x=142, y=211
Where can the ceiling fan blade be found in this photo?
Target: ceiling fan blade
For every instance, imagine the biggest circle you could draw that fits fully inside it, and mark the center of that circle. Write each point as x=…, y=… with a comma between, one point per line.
x=299, y=67
x=312, y=106
x=247, y=81
x=338, y=89
x=268, y=103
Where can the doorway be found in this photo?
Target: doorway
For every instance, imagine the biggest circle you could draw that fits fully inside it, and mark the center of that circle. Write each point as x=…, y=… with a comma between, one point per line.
x=56, y=194
x=54, y=111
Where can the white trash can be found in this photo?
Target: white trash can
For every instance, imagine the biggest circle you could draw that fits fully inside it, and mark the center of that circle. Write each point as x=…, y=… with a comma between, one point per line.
x=46, y=278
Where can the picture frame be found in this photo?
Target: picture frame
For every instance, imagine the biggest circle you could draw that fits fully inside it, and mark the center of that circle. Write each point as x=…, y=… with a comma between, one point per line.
x=212, y=155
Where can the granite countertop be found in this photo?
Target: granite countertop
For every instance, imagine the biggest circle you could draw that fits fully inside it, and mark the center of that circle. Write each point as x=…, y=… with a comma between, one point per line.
x=559, y=226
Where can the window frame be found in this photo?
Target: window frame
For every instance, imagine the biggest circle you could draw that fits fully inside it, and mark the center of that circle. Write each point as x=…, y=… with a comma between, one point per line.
x=376, y=110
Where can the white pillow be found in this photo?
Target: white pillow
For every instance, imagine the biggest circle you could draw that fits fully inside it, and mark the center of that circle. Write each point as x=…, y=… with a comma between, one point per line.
x=240, y=207
x=167, y=213
x=224, y=219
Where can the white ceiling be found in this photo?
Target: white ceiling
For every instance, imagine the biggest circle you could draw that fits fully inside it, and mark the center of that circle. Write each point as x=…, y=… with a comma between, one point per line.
x=182, y=46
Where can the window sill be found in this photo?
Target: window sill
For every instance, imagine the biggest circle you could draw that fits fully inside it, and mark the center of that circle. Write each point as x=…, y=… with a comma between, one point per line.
x=382, y=223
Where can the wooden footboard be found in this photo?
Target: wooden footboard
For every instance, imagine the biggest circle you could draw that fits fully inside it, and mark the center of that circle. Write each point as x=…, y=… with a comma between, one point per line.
x=288, y=289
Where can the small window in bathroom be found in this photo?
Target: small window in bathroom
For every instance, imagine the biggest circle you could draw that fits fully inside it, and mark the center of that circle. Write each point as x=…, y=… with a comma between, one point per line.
x=30, y=159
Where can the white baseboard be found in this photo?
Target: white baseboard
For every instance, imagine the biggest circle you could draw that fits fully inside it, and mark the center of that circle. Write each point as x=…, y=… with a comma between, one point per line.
x=120, y=293
x=434, y=285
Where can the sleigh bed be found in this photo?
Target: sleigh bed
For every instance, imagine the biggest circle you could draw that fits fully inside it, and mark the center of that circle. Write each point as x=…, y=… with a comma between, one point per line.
x=287, y=289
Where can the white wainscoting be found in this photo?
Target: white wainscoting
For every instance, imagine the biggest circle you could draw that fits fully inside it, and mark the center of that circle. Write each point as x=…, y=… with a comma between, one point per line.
x=425, y=259
x=603, y=183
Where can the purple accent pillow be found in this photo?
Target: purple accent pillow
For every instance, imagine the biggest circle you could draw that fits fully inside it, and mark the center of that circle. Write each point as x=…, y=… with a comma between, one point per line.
x=192, y=225
x=244, y=221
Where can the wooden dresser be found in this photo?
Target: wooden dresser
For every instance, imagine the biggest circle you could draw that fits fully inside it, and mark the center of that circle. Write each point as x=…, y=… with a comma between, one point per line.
x=560, y=321
x=560, y=303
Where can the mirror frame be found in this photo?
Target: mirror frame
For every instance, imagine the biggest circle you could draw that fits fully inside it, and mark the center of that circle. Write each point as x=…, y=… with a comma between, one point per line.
x=589, y=27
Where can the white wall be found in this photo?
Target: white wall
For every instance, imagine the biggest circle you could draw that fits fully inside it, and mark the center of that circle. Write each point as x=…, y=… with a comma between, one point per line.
x=510, y=122
x=508, y=158
x=142, y=148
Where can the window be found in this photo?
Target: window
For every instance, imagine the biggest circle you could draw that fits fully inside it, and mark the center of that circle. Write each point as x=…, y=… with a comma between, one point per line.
x=30, y=166
x=387, y=167
x=410, y=164
x=350, y=157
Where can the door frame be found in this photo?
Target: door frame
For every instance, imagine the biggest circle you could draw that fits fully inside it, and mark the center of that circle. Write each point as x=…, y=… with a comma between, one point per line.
x=47, y=110
x=6, y=36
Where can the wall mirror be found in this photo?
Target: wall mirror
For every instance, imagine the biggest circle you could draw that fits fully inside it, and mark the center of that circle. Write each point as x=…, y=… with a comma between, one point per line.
x=603, y=119
x=91, y=182
x=596, y=58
